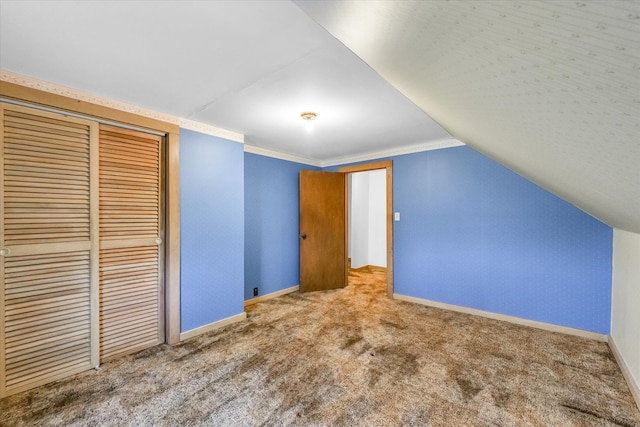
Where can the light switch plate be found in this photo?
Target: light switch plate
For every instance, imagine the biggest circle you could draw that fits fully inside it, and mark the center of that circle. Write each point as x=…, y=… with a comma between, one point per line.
x=396, y=216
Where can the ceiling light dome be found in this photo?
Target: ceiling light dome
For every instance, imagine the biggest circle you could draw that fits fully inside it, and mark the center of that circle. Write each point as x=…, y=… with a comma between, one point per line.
x=308, y=115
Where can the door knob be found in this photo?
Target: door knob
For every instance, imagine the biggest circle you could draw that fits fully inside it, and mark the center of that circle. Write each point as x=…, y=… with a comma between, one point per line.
x=303, y=236
x=4, y=252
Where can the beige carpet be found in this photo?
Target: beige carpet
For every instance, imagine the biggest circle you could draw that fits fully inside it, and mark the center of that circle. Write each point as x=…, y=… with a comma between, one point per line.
x=347, y=358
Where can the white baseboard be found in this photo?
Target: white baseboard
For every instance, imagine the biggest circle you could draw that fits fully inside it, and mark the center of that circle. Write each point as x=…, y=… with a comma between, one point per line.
x=512, y=319
x=212, y=326
x=271, y=295
x=626, y=372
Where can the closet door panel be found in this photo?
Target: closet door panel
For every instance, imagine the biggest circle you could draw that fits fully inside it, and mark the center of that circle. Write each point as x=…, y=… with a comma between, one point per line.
x=130, y=241
x=47, y=268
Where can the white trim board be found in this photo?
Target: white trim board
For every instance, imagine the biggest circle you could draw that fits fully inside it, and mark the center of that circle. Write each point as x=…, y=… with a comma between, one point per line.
x=254, y=149
x=396, y=151
x=117, y=105
x=634, y=387
x=505, y=318
x=271, y=295
x=212, y=326
x=210, y=130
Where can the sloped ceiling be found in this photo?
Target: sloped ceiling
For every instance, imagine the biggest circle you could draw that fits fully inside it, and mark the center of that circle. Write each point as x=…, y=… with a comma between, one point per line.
x=550, y=89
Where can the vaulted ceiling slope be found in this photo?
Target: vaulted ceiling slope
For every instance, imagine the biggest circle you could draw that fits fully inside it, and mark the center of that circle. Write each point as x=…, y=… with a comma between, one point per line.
x=550, y=89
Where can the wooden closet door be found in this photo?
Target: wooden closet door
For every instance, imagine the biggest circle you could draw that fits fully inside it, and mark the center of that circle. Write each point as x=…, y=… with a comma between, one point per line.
x=48, y=238
x=131, y=267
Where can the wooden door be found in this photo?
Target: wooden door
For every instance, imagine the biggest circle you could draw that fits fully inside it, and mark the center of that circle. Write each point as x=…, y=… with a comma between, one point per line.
x=131, y=250
x=48, y=238
x=322, y=231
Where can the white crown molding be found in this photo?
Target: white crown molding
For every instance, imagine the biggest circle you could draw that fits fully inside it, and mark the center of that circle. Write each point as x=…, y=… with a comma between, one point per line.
x=32, y=83
x=253, y=149
x=396, y=151
x=210, y=130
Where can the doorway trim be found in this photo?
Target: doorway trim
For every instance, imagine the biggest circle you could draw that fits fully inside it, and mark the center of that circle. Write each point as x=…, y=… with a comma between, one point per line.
x=388, y=166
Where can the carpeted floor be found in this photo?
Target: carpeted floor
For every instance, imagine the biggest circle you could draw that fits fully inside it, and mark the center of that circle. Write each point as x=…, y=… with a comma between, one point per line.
x=348, y=357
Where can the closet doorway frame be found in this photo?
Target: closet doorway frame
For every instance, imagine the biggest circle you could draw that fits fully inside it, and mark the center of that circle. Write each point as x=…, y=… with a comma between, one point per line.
x=35, y=97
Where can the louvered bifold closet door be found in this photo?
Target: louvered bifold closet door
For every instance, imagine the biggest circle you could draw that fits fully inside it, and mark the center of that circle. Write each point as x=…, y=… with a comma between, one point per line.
x=48, y=262
x=131, y=297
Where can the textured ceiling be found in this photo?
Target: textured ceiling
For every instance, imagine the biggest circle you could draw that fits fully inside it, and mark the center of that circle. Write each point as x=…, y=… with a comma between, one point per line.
x=551, y=89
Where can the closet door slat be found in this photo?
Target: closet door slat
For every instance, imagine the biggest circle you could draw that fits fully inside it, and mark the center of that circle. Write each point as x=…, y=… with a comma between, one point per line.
x=130, y=181
x=48, y=280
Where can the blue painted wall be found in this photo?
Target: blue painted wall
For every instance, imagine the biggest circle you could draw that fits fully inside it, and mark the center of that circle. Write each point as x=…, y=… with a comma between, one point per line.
x=271, y=221
x=474, y=234
x=212, y=229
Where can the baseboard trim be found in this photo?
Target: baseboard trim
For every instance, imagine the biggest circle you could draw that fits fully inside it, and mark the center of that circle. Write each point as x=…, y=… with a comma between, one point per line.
x=212, y=326
x=506, y=318
x=272, y=295
x=626, y=372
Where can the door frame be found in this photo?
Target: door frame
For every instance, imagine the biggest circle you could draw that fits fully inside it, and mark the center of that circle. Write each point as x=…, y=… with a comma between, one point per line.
x=388, y=166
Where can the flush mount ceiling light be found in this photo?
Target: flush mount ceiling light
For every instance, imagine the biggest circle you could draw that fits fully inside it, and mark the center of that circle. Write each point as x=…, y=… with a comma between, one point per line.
x=309, y=115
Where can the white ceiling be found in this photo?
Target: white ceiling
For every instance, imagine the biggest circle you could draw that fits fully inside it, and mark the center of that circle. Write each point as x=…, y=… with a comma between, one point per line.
x=550, y=89
x=249, y=67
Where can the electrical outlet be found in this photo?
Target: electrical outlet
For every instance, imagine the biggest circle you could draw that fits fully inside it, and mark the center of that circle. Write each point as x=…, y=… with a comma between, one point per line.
x=255, y=292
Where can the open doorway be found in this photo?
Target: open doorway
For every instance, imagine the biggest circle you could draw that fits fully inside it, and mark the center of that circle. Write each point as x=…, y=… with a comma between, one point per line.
x=369, y=200
x=367, y=244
